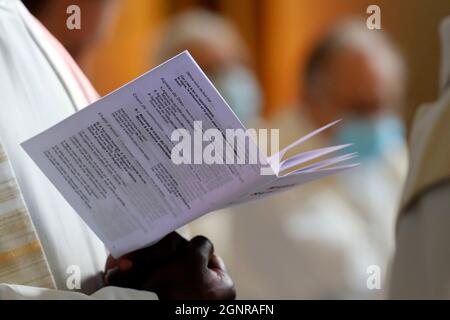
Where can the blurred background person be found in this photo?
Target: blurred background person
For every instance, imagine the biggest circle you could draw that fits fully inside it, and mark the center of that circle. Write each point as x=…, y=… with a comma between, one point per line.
x=319, y=240
x=356, y=74
x=219, y=49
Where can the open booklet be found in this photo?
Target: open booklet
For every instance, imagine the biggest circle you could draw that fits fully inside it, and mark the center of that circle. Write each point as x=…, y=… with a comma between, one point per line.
x=113, y=160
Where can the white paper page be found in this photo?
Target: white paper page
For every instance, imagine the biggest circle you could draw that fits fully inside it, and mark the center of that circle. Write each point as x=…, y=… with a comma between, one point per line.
x=308, y=156
x=289, y=181
x=111, y=161
x=279, y=155
x=327, y=163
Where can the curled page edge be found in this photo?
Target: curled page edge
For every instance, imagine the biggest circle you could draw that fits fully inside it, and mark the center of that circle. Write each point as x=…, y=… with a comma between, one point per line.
x=288, y=182
x=326, y=163
x=309, y=155
x=279, y=155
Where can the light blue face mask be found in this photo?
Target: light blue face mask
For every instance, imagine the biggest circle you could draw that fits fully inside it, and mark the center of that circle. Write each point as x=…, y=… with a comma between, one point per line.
x=371, y=137
x=241, y=90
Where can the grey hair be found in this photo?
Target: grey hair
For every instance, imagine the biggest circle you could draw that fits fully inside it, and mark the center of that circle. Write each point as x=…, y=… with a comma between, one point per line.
x=354, y=34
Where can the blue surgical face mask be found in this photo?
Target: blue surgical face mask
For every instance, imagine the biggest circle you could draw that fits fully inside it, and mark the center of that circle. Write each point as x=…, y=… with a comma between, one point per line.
x=241, y=90
x=371, y=137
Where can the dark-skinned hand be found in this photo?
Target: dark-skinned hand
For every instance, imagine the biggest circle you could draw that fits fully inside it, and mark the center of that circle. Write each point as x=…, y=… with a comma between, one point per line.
x=174, y=269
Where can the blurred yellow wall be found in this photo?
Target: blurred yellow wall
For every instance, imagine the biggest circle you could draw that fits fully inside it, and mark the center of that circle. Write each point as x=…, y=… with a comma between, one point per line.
x=126, y=54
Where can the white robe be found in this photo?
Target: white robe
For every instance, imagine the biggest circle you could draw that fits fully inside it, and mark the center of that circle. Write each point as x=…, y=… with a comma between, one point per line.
x=35, y=93
x=421, y=268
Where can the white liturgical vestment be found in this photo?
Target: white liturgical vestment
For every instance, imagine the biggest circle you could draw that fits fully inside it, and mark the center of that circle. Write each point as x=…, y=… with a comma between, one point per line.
x=40, y=85
x=421, y=268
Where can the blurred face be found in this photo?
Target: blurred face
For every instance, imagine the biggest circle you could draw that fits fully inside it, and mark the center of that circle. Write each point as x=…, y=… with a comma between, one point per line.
x=236, y=83
x=360, y=88
x=353, y=83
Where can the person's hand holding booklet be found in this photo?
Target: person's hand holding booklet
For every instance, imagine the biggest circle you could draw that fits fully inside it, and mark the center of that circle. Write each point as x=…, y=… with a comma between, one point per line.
x=162, y=151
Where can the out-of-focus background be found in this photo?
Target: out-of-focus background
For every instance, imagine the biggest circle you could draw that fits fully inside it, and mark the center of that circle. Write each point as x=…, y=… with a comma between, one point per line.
x=279, y=35
x=293, y=65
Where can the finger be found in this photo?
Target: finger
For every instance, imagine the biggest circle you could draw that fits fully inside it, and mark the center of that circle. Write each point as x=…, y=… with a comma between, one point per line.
x=158, y=280
x=202, y=249
x=159, y=252
x=121, y=264
x=134, y=266
x=118, y=278
x=111, y=262
x=125, y=264
x=216, y=263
